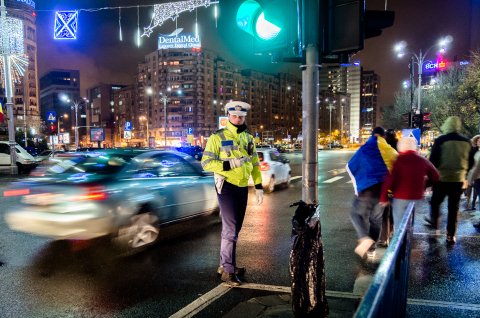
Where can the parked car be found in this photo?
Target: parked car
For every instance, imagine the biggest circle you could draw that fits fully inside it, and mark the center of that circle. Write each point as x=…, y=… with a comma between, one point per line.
x=275, y=169
x=125, y=194
x=25, y=161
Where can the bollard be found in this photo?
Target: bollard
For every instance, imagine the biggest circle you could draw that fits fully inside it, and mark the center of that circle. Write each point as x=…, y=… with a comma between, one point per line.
x=307, y=265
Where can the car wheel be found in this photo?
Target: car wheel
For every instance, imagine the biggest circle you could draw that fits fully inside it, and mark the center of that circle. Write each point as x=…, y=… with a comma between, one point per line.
x=287, y=183
x=271, y=185
x=139, y=233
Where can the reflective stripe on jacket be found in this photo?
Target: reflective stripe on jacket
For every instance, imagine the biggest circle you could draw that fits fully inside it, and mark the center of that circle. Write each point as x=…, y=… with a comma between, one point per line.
x=227, y=144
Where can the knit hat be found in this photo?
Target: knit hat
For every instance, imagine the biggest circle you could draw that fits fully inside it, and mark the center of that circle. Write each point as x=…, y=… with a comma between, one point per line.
x=378, y=130
x=407, y=144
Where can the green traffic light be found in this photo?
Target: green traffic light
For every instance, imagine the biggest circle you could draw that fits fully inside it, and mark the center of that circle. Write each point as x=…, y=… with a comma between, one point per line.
x=251, y=19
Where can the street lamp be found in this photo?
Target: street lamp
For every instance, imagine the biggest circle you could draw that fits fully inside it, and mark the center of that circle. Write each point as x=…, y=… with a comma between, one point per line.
x=401, y=49
x=165, y=100
x=144, y=118
x=76, y=103
x=330, y=107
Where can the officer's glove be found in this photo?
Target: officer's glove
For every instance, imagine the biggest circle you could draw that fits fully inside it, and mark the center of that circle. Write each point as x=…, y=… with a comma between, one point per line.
x=235, y=163
x=259, y=193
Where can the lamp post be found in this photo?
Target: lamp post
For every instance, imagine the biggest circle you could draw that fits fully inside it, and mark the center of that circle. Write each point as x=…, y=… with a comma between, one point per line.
x=330, y=107
x=401, y=50
x=165, y=100
x=76, y=104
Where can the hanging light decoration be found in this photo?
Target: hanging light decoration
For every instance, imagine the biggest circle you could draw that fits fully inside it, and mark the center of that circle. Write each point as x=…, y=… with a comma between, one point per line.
x=163, y=12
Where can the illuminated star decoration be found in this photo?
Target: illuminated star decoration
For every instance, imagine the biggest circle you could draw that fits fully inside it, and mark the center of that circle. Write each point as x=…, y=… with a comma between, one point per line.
x=165, y=11
x=66, y=23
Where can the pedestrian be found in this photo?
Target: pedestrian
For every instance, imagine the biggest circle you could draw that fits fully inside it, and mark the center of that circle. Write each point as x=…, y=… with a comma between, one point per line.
x=368, y=168
x=231, y=154
x=450, y=155
x=387, y=217
x=471, y=200
x=411, y=174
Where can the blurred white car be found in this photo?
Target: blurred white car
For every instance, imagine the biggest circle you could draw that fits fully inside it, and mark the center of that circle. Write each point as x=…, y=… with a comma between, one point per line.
x=275, y=169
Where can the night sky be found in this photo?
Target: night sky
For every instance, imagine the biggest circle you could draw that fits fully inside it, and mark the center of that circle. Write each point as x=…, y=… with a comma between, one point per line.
x=101, y=57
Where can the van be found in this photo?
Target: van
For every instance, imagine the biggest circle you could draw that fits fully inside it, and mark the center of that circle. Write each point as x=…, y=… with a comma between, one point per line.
x=25, y=161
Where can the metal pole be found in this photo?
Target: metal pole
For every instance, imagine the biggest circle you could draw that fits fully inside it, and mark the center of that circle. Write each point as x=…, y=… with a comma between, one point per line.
x=76, y=125
x=341, y=124
x=330, y=127
x=412, y=87
x=165, y=120
x=25, y=122
x=420, y=66
x=148, y=135
x=310, y=126
x=11, y=128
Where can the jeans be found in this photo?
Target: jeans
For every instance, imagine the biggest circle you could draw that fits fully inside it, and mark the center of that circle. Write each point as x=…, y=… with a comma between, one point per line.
x=439, y=191
x=233, y=204
x=399, y=206
x=366, y=214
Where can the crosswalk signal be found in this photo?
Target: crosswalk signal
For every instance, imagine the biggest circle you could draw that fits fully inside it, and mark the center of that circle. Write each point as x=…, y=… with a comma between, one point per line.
x=376, y=21
x=418, y=121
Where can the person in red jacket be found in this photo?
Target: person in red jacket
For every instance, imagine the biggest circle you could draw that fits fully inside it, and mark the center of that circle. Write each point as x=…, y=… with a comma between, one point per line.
x=410, y=175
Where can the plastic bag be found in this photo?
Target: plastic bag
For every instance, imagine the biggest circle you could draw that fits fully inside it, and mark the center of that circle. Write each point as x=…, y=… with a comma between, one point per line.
x=307, y=265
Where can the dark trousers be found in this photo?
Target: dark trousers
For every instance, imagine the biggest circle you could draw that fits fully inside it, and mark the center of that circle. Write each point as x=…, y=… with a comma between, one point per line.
x=439, y=191
x=233, y=204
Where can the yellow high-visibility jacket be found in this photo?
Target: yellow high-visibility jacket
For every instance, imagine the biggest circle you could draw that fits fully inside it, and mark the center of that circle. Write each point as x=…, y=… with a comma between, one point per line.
x=227, y=144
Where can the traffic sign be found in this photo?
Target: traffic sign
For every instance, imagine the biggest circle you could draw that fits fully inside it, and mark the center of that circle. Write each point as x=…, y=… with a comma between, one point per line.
x=127, y=134
x=189, y=131
x=51, y=116
x=128, y=126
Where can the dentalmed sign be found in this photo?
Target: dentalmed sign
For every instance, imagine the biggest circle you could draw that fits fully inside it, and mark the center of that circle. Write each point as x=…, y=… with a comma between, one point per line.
x=178, y=41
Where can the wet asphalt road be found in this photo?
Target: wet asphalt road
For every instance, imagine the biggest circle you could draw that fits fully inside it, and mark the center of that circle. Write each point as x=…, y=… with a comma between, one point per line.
x=42, y=278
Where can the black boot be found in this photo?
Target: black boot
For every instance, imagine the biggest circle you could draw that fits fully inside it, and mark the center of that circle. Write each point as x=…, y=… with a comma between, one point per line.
x=231, y=279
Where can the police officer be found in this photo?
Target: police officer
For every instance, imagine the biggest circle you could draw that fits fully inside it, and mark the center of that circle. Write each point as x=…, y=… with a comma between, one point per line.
x=231, y=154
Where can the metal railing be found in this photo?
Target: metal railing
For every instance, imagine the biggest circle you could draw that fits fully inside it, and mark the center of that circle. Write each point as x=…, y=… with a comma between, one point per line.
x=387, y=294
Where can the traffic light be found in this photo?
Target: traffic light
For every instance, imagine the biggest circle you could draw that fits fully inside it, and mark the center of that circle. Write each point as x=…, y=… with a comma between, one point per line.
x=376, y=20
x=406, y=120
x=272, y=24
x=349, y=24
x=52, y=128
x=426, y=121
x=417, y=120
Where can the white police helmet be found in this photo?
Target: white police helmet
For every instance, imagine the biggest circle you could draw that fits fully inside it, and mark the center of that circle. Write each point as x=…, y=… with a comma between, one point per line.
x=237, y=108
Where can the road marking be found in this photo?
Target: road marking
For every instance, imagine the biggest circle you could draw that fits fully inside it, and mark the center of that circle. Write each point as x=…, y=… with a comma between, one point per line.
x=337, y=171
x=333, y=179
x=295, y=178
x=201, y=302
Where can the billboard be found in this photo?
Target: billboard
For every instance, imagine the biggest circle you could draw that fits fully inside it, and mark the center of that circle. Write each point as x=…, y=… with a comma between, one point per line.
x=97, y=134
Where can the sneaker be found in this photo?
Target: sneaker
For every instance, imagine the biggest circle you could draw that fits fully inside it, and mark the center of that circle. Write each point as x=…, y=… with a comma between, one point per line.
x=383, y=244
x=371, y=252
x=231, y=279
x=451, y=239
x=239, y=271
x=429, y=223
x=363, y=246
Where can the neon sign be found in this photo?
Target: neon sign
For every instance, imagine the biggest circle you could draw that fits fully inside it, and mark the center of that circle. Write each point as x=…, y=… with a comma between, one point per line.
x=438, y=66
x=177, y=41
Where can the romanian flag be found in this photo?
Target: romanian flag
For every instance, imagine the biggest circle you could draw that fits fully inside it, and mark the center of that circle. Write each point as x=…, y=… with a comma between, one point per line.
x=2, y=115
x=371, y=163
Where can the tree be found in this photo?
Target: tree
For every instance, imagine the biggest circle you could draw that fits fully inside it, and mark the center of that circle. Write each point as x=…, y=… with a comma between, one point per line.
x=455, y=92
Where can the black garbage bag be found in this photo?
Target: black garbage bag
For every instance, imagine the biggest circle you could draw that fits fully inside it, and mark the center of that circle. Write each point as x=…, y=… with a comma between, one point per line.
x=307, y=265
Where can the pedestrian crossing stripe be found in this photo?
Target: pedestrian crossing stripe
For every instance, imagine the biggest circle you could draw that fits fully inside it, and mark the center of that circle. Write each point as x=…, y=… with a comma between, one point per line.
x=333, y=179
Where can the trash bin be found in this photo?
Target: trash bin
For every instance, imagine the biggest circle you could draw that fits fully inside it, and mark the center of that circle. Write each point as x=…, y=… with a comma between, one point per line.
x=307, y=265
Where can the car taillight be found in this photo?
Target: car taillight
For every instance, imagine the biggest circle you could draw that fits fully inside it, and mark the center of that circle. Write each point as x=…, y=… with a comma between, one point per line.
x=92, y=194
x=16, y=192
x=264, y=166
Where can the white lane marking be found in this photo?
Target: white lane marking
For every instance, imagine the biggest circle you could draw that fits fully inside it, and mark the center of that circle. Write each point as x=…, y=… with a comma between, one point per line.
x=337, y=171
x=446, y=304
x=295, y=178
x=201, y=302
x=333, y=179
